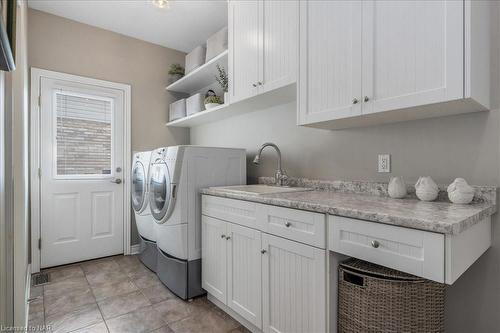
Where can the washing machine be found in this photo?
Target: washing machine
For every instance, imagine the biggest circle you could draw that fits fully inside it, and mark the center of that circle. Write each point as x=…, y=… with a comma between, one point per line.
x=140, y=203
x=177, y=175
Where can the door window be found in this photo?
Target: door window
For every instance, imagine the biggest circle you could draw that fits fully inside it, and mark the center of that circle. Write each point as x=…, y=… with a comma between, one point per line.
x=83, y=135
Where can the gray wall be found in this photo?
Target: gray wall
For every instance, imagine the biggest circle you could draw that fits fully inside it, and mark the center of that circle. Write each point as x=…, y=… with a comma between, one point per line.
x=444, y=148
x=62, y=45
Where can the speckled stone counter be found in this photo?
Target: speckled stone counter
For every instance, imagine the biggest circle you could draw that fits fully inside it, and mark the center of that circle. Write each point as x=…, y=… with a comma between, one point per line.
x=438, y=216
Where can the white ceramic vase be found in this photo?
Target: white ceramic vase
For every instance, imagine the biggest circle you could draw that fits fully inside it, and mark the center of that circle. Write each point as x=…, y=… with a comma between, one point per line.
x=397, y=188
x=426, y=189
x=460, y=192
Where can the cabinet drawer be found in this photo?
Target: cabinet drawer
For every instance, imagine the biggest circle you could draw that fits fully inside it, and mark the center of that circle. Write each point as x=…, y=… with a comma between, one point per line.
x=298, y=225
x=236, y=211
x=412, y=251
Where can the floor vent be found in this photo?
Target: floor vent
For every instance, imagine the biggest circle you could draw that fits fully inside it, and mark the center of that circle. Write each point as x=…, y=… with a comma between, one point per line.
x=41, y=278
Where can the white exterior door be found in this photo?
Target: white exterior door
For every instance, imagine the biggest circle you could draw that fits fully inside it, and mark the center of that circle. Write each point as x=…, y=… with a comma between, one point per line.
x=244, y=49
x=82, y=158
x=330, y=60
x=412, y=53
x=280, y=50
x=244, y=284
x=294, y=286
x=214, y=257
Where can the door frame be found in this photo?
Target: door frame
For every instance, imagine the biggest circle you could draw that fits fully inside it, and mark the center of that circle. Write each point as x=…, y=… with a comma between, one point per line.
x=35, y=194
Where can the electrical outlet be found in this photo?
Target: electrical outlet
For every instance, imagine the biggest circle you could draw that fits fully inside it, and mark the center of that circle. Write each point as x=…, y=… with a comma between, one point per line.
x=384, y=163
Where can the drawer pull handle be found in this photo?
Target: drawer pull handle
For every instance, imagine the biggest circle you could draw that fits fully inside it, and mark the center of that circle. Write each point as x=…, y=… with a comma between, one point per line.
x=222, y=236
x=288, y=224
x=263, y=251
x=375, y=244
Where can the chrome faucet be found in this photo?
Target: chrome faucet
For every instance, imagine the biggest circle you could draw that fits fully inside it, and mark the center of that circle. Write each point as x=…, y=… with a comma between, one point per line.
x=280, y=178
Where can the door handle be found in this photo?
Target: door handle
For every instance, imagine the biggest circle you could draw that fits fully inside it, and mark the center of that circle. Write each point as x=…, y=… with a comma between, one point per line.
x=116, y=181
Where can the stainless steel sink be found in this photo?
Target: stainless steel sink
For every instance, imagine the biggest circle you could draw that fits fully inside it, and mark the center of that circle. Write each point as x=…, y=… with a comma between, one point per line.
x=260, y=189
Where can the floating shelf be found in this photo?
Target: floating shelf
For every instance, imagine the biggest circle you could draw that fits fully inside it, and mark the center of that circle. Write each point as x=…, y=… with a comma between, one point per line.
x=259, y=102
x=201, y=77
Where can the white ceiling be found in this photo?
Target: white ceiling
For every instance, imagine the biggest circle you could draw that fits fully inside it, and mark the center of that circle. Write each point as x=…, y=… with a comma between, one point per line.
x=185, y=25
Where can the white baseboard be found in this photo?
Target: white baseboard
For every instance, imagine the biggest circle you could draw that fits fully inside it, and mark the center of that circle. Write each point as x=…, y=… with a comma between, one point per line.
x=135, y=249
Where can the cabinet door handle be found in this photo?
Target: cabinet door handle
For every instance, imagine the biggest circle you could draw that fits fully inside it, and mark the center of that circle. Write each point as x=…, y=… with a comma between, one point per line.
x=288, y=224
x=259, y=83
x=355, y=101
x=228, y=237
x=222, y=236
x=375, y=244
x=263, y=251
x=366, y=99
x=254, y=85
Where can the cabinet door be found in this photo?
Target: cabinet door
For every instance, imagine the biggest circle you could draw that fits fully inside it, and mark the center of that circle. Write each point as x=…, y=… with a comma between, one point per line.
x=330, y=60
x=294, y=286
x=280, y=28
x=412, y=53
x=214, y=257
x=244, y=284
x=244, y=48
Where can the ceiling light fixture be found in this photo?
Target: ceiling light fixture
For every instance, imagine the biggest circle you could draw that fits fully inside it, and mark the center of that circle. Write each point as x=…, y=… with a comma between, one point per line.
x=163, y=4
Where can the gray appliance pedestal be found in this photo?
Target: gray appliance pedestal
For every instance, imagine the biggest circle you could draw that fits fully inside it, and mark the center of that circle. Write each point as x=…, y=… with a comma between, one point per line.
x=149, y=254
x=182, y=277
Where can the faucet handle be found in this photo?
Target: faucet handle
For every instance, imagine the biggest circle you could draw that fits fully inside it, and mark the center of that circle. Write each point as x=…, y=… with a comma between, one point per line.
x=281, y=178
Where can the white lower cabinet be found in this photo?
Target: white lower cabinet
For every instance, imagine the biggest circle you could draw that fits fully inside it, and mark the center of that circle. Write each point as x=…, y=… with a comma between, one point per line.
x=273, y=283
x=294, y=286
x=244, y=283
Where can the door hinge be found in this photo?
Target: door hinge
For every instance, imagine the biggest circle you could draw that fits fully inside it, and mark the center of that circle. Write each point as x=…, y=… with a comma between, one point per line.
x=39, y=100
x=39, y=243
x=39, y=172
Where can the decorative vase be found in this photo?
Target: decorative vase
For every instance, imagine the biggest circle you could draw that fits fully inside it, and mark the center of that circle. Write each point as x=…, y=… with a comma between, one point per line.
x=397, y=188
x=426, y=189
x=460, y=192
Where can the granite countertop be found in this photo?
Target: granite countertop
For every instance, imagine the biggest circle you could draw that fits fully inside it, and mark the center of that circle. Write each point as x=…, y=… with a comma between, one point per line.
x=439, y=216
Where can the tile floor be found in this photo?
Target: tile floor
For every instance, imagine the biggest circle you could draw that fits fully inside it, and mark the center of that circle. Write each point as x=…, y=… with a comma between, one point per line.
x=118, y=294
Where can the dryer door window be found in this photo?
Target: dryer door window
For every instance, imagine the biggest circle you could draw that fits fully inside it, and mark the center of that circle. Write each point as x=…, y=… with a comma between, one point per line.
x=138, y=186
x=159, y=190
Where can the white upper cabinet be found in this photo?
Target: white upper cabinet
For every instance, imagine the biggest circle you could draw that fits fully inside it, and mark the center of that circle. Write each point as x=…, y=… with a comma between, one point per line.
x=263, y=46
x=280, y=31
x=244, y=49
x=330, y=60
x=412, y=53
x=369, y=62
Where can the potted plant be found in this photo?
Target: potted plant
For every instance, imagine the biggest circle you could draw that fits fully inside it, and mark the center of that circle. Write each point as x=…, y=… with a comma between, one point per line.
x=175, y=71
x=212, y=102
x=223, y=81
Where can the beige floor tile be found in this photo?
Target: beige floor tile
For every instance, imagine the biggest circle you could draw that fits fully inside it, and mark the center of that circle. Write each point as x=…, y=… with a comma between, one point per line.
x=82, y=317
x=70, y=285
x=146, y=280
x=101, y=277
x=241, y=329
x=119, y=305
x=105, y=264
x=174, y=309
x=105, y=290
x=138, y=270
x=157, y=293
x=206, y=322
x=139, y=321
x=163, y=329
x=36, y=320
x=68, y=302
x=36, y=305
x=64, y=272
x=36, y=291
x=97, y=328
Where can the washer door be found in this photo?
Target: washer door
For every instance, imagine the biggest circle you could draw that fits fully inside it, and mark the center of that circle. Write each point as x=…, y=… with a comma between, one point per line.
x=138, y=186
x=160, y=190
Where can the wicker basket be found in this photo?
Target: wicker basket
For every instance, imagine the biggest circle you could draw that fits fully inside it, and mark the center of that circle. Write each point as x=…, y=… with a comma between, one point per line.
x=373, y=298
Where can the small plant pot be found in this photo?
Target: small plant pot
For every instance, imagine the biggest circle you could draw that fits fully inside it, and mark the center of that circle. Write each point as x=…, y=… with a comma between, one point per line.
x=209, y=106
